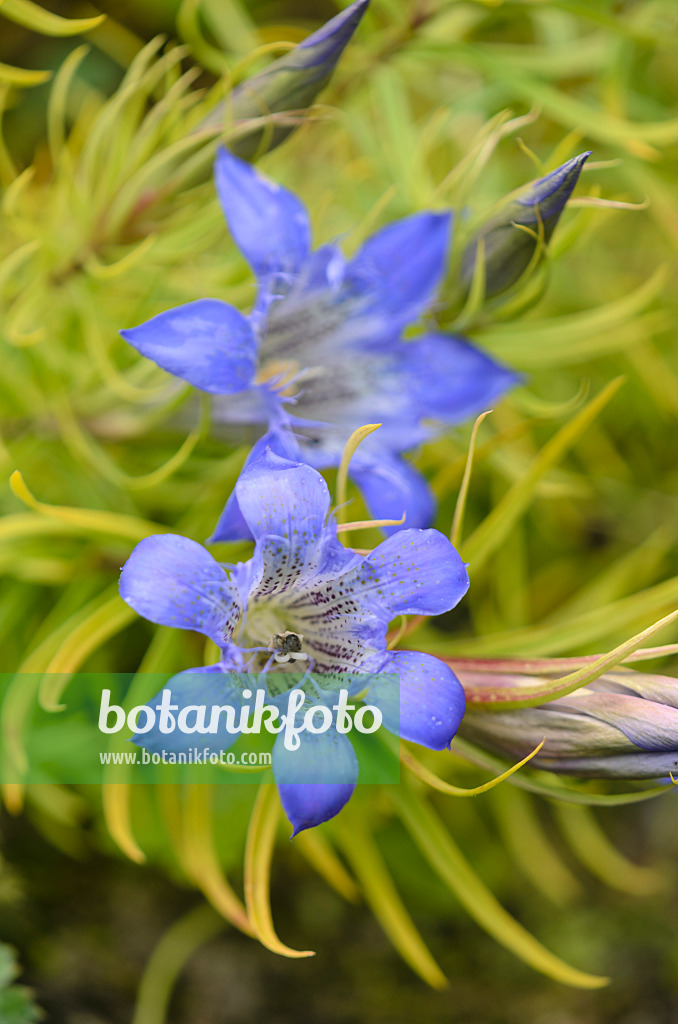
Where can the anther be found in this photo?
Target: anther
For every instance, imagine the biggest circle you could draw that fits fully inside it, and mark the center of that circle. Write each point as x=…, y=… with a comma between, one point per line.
x=287, y=647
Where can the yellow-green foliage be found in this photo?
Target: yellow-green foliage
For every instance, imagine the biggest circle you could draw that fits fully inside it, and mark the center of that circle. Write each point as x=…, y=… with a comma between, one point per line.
x=571, y=523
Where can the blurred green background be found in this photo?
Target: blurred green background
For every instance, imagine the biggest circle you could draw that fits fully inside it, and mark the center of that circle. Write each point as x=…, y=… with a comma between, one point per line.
x=592, y=560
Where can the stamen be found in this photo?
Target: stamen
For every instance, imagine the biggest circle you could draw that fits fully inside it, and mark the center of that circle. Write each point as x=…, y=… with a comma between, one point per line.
x=366, y=524
x=287, y=647
x=278, y=373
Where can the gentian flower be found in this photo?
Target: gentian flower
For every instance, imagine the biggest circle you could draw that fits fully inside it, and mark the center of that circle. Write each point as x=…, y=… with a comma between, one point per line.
x=302, y=580
x=290, y=83
x=322, y=352
x=622, y=726
x=509, y=249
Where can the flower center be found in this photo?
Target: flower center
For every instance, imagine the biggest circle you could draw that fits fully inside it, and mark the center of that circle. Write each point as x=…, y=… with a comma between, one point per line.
x=287, y=647
x=286, y=375
x=279, y=371
x=269, y=627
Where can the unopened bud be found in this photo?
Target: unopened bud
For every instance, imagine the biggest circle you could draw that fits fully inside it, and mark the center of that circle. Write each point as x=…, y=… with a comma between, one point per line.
x=508, y=247
x=622, y=726
x=289, y=84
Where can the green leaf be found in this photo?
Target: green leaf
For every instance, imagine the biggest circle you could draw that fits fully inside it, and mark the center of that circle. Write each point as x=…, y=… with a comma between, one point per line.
x=380, y=892
x=16, y=1002
x=573, y=336
x=32, y=16
x=22, y=76
x=551, y=638
x=447, y=860
x=8, y=966
x=511, y=698
x=492, y=531
x=544, y=785
x=258, y=855
x=591, y=845
x=530, y=846
x=181, y=940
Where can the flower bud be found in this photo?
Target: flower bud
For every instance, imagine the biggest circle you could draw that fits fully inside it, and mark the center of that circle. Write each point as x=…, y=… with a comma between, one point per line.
x=288, y=84
x=622, y=726
x=508, y=248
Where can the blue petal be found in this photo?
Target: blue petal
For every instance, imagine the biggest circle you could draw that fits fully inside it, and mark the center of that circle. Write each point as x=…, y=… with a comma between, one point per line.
x=450, y=379
x=316, y=780
x=403, y=264
x=173, y=581
x=413, y=572
x=197, y=686
x=431, y=702
x=324, y=270
x=269, y=224
x=284, y=498
x=208, y=343
x=285, y=505
x=391, y=486
x=232, y=524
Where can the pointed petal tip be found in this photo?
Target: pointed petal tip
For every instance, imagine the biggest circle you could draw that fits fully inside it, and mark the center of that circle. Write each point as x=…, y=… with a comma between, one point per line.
x=557, y=185
x=268, y=223
x=574, y=161
x=207, y=342
x=338, y=30
x=575, y=164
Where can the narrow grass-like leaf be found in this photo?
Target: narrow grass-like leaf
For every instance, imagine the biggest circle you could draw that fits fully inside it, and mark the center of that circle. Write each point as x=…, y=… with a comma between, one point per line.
x=369, y=524
x=22, y=692
x=435, y=782
x=30, y=15
x=593, y=848
x=89, y=520
x=460, y=507
x=586, y=629
x=56, y=110
x=554, y=337
x=637, y=137
x=314, y=847
x=448, y=862
x=512, y=698
x=258, y=854
x=380, y=892
x=22, y=76
x=104, y=623
x=492, y=531
x=526, y=840
x=548, y=786
x=200, y=859
x=178, y=944
x=116, y=802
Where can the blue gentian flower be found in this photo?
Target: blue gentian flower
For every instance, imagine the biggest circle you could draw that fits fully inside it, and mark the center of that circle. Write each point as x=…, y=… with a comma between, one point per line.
x=322, y=352
x=301, y=579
